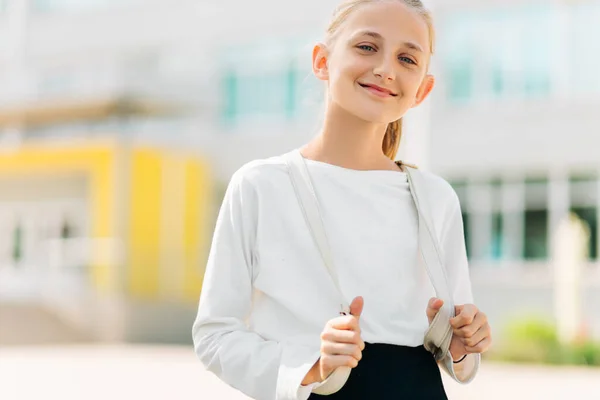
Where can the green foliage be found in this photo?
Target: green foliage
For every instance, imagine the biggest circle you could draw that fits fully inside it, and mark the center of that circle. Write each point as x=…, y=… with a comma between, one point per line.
x=535, y=340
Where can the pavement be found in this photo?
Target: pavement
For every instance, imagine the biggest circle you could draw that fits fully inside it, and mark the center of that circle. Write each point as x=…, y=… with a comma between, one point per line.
x=35, y=325
x=90, y=372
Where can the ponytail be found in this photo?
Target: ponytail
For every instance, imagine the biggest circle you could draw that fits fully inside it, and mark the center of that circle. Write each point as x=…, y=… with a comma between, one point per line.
x=391, y=140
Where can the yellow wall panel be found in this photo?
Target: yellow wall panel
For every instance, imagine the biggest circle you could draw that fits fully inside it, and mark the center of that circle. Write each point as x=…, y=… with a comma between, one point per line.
x=198, y=197
x=167, y=226
x=144, y=232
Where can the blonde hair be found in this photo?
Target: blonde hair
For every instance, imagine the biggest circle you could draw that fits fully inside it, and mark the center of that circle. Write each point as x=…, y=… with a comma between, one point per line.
x=393, y=133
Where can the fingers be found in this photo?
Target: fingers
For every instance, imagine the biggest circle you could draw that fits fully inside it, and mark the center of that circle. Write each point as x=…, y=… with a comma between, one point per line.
x=356, y=307
x=341, y=349
x=435, y=303
x=330, y=362
x=480, y=347
x=345, y=336
x=465, y=315
x=348, y=322
x=433, y=307
x=471, y=327
x=478, y=336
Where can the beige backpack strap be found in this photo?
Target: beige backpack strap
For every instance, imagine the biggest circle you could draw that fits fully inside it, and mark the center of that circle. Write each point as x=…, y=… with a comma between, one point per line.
x=439, y=335
x=307, y=198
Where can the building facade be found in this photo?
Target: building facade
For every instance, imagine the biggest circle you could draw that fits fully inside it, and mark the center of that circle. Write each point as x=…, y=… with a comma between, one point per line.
x=512, y=123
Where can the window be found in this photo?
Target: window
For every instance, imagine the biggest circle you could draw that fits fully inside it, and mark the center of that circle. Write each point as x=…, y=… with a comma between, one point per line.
x=584, y=203
x=258, y=95
x=536, y=230
x=229, y=84
x=497, y=236
x=536, y=235
x=458, y=63
x=465, y=218
x=264, y=80
x=495, y=251
x=482, y=218
x=585, y=47
x=66, y=230
x=500, y=63
x=460, y=187
x=17, y=247
x=74, y=5
x=499, y=53
x=536, y=50
x=589, y=216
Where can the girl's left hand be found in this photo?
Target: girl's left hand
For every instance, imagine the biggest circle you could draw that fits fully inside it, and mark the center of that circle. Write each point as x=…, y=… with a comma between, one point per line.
x=471, y=331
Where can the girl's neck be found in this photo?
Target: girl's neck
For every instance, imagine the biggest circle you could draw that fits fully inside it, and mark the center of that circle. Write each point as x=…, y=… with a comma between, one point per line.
x=350, y=142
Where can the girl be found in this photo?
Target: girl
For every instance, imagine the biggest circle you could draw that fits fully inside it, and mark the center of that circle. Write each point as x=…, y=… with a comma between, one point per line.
x=267, y=321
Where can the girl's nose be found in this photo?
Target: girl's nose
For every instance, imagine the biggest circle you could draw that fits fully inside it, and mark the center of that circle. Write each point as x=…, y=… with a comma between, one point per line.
x=384, y=69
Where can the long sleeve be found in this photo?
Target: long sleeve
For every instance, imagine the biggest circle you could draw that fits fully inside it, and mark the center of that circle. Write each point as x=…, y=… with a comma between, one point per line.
x=455, y=257
x=262, y=369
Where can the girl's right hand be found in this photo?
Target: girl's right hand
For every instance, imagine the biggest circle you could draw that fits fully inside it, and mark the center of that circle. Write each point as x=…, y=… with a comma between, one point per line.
x=341, y=343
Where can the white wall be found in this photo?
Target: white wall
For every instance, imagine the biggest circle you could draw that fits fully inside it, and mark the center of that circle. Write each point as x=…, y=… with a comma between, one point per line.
x=158, y=44
x=517, y=138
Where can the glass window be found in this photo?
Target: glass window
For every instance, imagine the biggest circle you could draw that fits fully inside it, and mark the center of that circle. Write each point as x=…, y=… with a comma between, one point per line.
x=460, y=85
x=502, y=62
x=536, y=235
x=496, y=244
x=230, y=96
x=536, y=50
x=291, y=92
x=536, y=217
x=498, y=53
x=585, y=48
x=17, y=248
x=583, y=191
x=589, y=216
x=536, y=193
x=275, y=94
x=269, y=80
x=76, y=5
x=262, y=94
x=488, y=226
x=460, y=187
x=456, y=46
x=465, y=218
x=60, y=5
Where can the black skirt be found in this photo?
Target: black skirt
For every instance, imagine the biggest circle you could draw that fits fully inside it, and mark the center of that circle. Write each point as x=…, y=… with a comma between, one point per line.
x=392, y=372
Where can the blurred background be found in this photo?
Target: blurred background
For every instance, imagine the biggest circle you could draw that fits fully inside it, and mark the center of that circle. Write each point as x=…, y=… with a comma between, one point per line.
x=122, y=121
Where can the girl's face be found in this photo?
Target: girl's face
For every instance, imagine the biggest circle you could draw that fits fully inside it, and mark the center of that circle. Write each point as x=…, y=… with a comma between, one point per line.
x=376, y=68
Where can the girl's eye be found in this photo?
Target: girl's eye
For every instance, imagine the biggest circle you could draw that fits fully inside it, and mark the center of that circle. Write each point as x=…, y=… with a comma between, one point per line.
x=407, y=60
x=366, y=47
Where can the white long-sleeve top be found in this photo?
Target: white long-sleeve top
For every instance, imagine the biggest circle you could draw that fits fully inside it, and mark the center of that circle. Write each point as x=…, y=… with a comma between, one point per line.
x=267, y=295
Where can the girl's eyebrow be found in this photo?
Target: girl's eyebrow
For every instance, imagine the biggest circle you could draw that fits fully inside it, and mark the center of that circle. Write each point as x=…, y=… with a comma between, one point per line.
x=375, y=35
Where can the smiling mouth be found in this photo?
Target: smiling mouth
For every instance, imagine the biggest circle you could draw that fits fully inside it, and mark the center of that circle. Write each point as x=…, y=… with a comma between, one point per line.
x=378, y=90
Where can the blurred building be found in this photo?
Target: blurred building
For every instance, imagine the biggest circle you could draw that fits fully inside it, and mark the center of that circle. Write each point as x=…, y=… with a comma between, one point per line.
x=104, y=208
x=511, y=125
x=514, y=127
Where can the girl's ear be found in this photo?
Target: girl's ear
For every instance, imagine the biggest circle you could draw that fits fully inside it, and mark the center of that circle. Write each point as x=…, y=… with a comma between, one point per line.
x=320, y=62
x=424, y=90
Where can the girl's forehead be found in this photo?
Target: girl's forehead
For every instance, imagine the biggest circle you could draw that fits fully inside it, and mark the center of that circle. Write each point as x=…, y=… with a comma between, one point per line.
x=390, y=20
